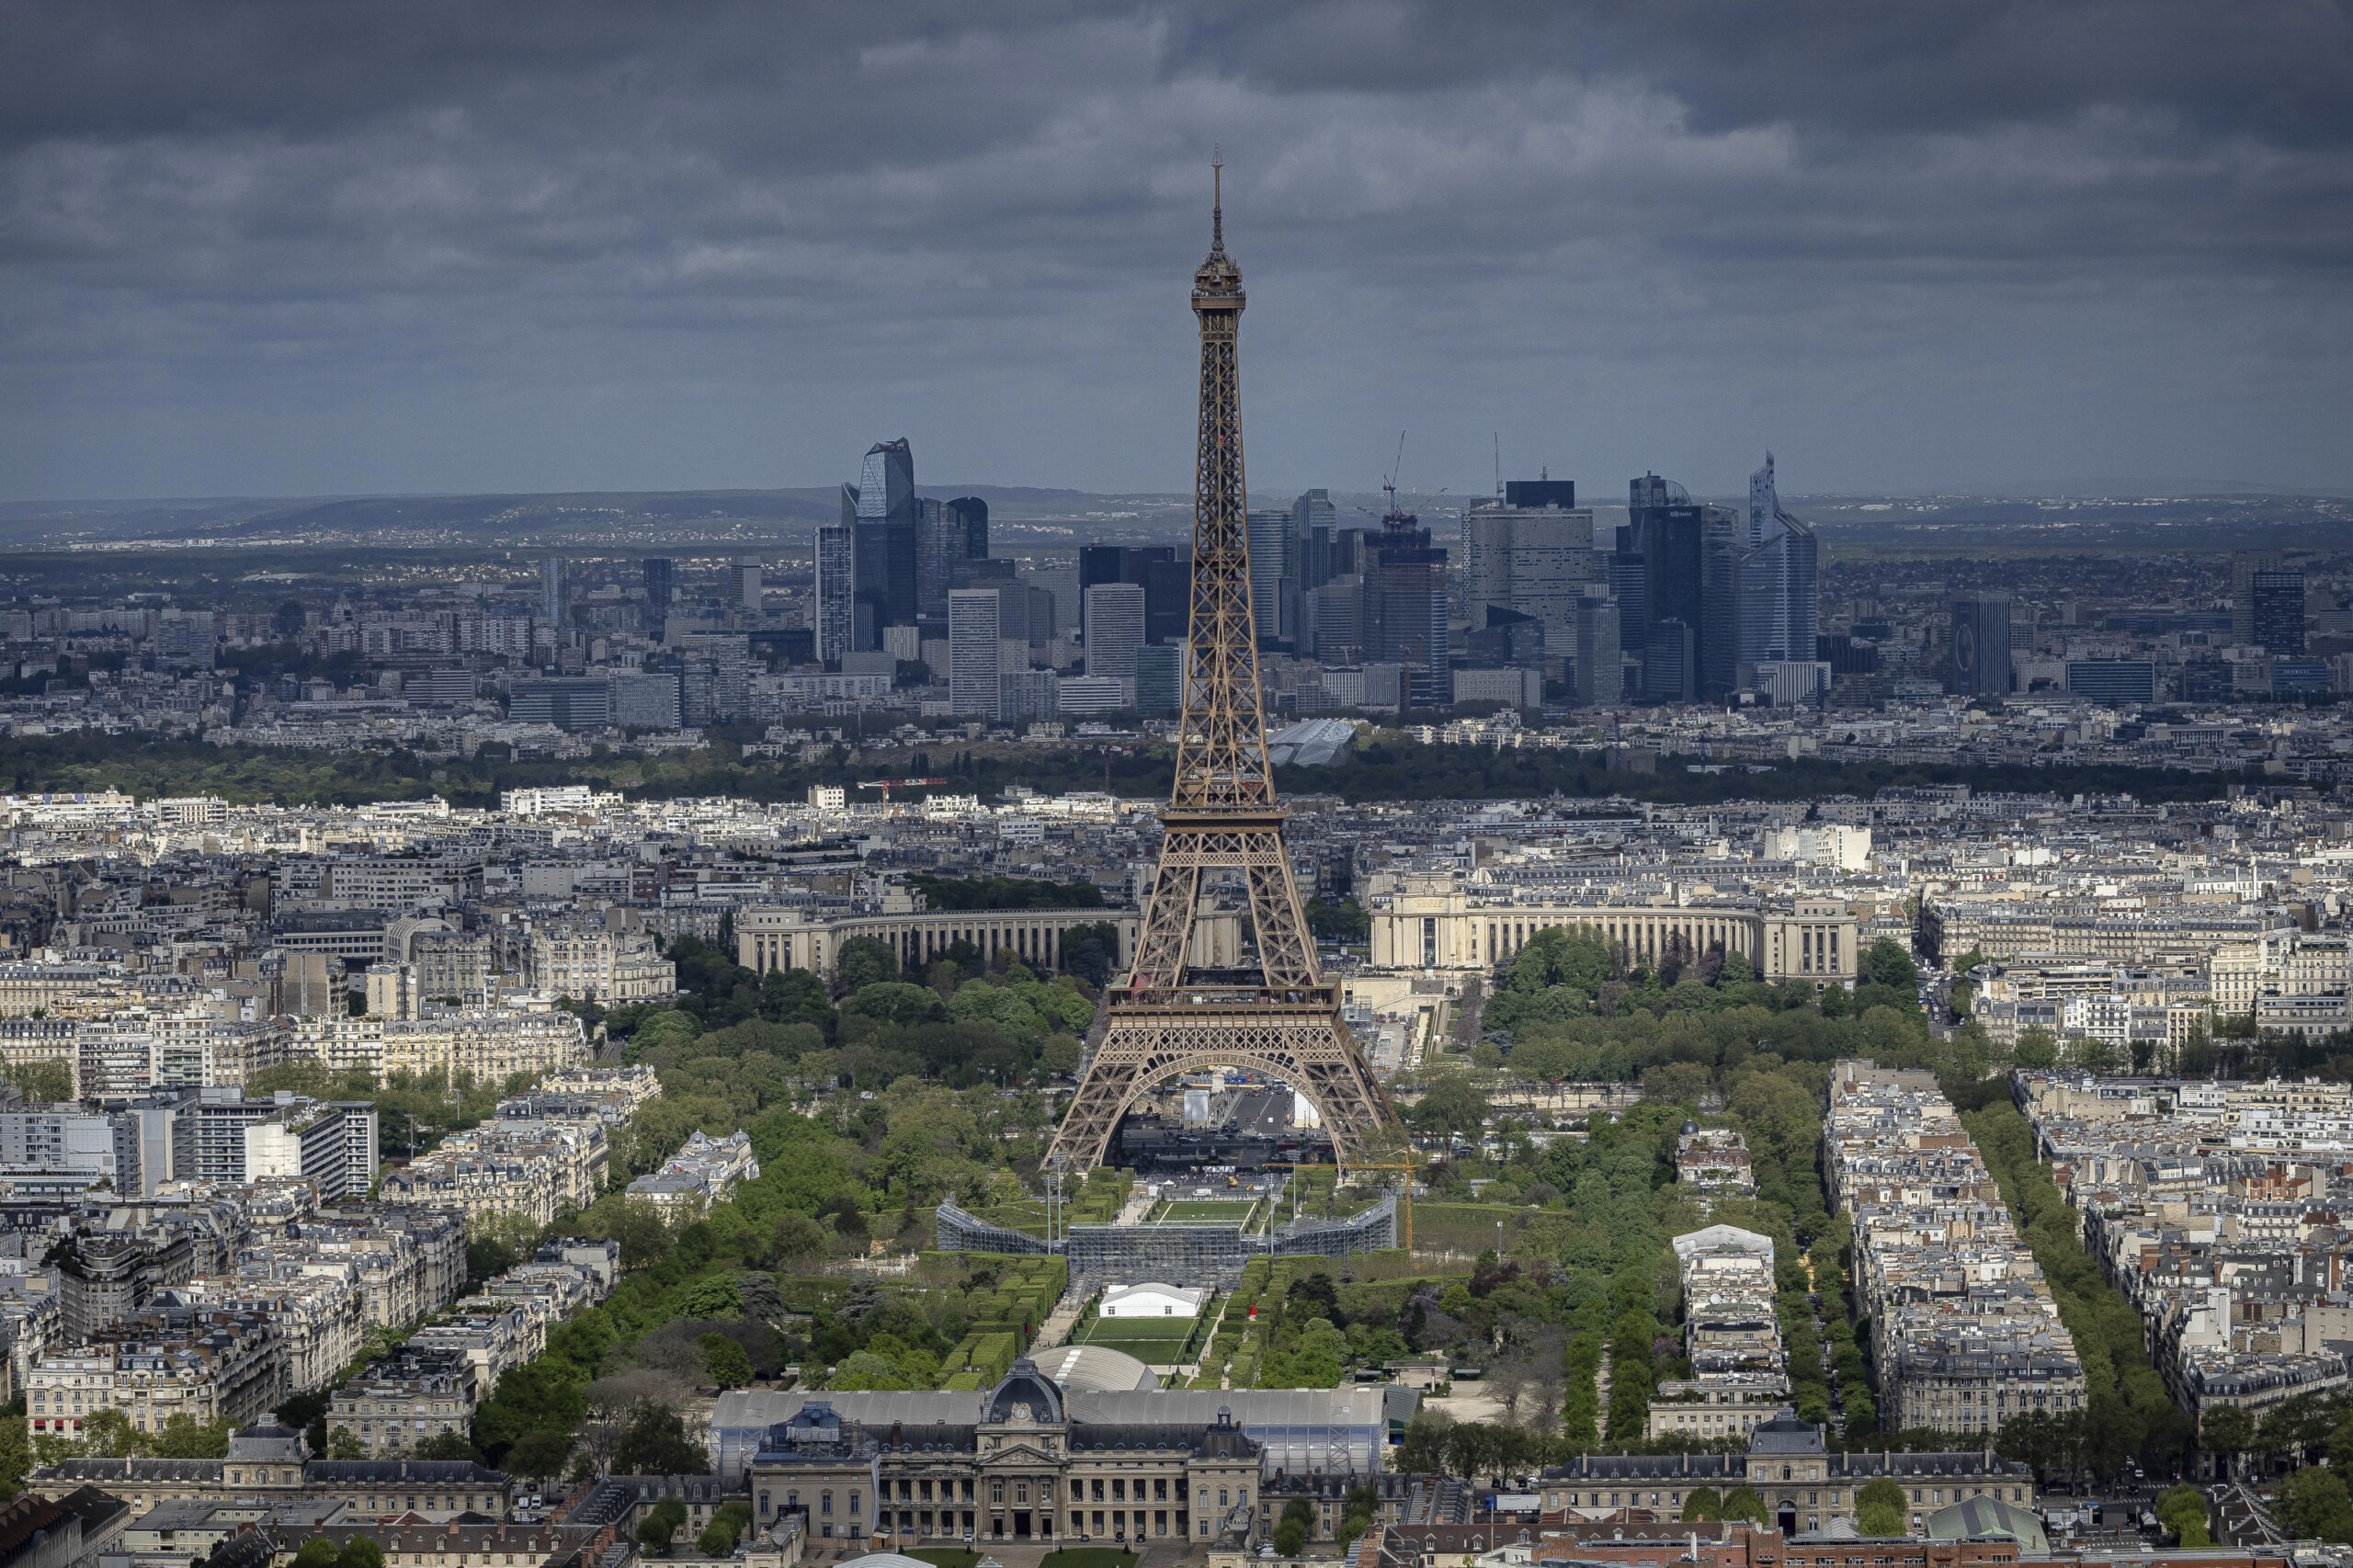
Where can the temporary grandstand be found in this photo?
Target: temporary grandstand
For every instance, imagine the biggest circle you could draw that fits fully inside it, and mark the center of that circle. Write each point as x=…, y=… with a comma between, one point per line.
x=1202, y=1254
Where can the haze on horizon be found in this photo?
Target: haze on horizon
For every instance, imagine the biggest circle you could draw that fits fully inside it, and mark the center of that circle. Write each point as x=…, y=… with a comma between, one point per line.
x=274, y=248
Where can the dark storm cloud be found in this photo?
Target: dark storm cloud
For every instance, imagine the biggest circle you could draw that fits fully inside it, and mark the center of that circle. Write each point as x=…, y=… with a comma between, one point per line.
x=281, y=247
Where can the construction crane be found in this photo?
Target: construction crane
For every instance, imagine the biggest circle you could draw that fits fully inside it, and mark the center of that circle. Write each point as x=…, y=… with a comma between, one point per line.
x=887, y=785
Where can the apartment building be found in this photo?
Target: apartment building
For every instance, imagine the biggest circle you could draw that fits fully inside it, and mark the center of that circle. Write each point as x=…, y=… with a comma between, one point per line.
x=395, y=1404
x=205, y=1366
x=703, y=1172
x=1739, y=1377
x=1965, y=1332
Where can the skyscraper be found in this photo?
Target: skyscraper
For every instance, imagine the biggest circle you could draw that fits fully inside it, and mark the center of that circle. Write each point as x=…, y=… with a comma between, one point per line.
x=973, y=513
x=1313, y=519
x=882, y=508
x=1600, y=661
x=1758, y=592
x=660, y=581
x=750, y=586
x=552, y=590
x=1527, y=553
x=975, y=657
x=1779, y=605
x=2245, y=564
x=1980, y=646
x=1269, y=533
x=1406, y=610
x=1114, y=630
x=836, y=592
x=1665, y=531
x=2276, y=612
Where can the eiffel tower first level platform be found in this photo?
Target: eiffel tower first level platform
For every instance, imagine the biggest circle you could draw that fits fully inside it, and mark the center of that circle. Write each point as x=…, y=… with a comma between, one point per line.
x=1294, y=1037
x=1223, y=824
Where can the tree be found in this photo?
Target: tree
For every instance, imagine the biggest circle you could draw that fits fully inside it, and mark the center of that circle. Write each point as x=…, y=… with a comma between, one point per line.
x=359, y=1552
x=538, y=1455
x=655, y=1442
x=864, y=962
x=447, y=1446
x=1702, y=1505
x=1879, y=1507
x=317, y=1552
x=726, y=1362
x=44, y=1083
x=1451, y=1106
x=1886, y=963
x=660, y=1525
x=2182, y=1510
x=2312, y=1502
x=2036, y=1049
x=1291, y=1539
x=797, y=1236
x=718, y=1537
x=343, y=1443
x=1742, y=1503
x=2227, y=1433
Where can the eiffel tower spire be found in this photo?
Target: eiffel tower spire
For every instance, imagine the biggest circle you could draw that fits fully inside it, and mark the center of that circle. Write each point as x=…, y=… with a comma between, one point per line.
x=1222, y=820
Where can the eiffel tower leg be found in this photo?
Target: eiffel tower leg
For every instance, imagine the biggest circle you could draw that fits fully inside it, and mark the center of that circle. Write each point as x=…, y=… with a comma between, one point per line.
x=1304, y=1045
x=1286, y=950
x=1168, y=921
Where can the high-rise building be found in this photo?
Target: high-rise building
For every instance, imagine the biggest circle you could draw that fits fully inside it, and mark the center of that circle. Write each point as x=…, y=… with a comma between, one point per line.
x=552, y=590
x=2276, y=612
x=881, y=507
x=939, y=545
x=1780, y=602
x=973, y=513
x=750, y=586
x=1600, y=660
x=1405, y=609
x=1759, y=601
x=1313, y=521
x=1980, y=646
x=2245, y=564
x=1114, y=630
x=1629, y=580
x=661, y=584
x=1529, y=554
x=1160, y=686
x=837, y=626
x=1670, y=663
x=1269, y=540
x=1331, y=620
x=974, y=658
x=1165, y=580
x=1665, y=531
x=1167, y=598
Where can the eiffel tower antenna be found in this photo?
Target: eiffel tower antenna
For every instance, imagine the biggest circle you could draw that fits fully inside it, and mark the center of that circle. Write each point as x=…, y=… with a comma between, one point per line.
x=1171, y=1014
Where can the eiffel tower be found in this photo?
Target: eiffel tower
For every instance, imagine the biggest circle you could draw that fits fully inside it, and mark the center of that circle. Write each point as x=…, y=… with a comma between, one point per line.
x=1170, y=1015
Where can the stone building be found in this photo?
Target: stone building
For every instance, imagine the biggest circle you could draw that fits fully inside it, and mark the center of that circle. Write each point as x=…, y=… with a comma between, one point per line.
x=1803, y=1485
x=1018, y=1468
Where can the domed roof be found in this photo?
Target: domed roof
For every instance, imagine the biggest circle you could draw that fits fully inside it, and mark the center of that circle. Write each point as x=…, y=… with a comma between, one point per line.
x=886, y=1560
x=1096, y=1369
x=1024, y=1394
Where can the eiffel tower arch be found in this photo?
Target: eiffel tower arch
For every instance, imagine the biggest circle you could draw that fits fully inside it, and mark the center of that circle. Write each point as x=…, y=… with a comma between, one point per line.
x=1222, y=822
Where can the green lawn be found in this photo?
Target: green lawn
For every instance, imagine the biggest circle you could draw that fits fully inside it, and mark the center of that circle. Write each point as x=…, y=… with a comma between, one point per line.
x=1088, y=1557
x=944, y=1556
x=1150, y=1340
x=1204, y=1211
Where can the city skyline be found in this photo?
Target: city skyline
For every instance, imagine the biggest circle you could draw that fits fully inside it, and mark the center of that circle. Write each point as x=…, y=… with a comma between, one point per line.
x=303, y=258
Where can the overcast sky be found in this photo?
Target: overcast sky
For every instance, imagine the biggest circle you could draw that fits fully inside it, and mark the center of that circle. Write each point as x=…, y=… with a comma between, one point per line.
x=303, y=248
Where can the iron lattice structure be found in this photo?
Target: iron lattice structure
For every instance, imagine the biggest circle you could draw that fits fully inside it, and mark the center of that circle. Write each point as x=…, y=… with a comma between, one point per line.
x=1222, y=820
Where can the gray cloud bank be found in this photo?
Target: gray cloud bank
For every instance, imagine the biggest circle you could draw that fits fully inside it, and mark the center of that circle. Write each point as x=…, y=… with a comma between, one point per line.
x=265, y=248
